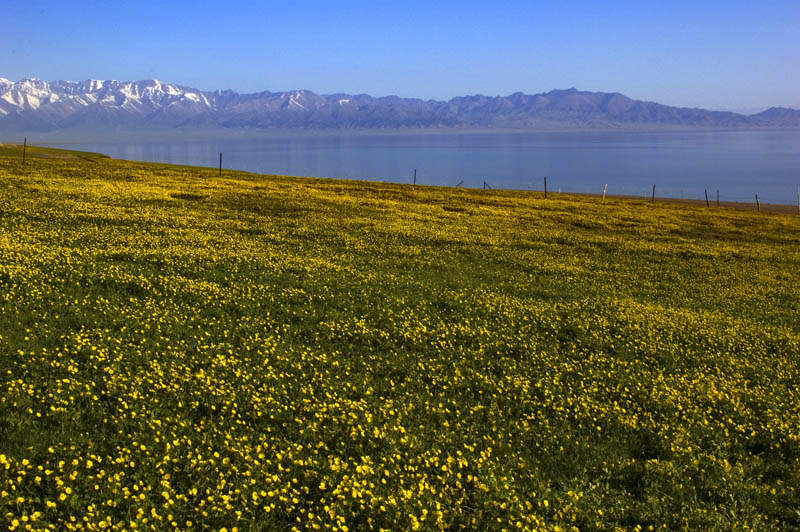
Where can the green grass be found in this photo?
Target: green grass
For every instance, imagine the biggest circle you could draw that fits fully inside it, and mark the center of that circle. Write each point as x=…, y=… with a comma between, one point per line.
x=268, y=352
x=36, y=152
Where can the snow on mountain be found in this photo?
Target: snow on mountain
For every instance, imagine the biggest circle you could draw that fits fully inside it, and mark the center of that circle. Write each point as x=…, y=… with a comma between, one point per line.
x=35, y=105
x=57, y=104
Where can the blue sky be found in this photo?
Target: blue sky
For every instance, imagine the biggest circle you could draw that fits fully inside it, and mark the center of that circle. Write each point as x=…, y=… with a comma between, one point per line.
x=721, y=55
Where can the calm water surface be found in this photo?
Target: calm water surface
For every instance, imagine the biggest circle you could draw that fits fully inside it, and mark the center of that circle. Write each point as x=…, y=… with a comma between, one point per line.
x=681, y=164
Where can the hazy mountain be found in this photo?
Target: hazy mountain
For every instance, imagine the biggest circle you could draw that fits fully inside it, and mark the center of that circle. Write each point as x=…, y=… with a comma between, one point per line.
x=35, y=105
x=779, y=117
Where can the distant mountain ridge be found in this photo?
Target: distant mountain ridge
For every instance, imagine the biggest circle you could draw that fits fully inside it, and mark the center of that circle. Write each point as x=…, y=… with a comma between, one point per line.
x=35, y=105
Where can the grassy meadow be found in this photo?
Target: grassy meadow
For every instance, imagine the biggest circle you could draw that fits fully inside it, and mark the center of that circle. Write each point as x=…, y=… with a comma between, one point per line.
x=180, y=351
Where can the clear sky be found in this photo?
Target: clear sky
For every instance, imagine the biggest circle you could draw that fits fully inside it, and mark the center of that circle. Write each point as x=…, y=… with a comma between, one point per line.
x=738, y=55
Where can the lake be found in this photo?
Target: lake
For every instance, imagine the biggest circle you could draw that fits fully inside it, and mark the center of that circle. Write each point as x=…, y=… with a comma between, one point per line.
x=739, y=164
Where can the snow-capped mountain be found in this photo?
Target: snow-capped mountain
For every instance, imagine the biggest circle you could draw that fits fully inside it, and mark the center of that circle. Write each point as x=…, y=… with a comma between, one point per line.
x=64, y=103
x=35, y=105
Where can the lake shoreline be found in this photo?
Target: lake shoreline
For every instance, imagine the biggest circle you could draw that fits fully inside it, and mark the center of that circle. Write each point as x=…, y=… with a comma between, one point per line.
x=782, y=208
x=682, y=164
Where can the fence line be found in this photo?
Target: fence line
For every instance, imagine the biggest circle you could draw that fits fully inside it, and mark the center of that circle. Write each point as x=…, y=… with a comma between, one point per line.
x=628, y=191
x=668, y=195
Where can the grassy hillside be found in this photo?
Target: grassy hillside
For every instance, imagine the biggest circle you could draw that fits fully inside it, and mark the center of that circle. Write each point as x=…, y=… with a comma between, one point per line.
x=182, y=351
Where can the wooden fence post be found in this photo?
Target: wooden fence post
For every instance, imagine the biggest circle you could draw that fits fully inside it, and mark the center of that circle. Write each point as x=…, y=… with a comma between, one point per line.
x=798, y=200
x=653, y=200
x=707, y=205
x=545, y=187
x=220, y=164
x=717, y=198
x=24, y=149
x=605, y=187
x=415, y=179
x=758, y=203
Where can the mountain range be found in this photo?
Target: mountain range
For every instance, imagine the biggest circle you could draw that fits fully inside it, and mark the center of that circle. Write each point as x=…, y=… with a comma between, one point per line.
x=34, y=105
